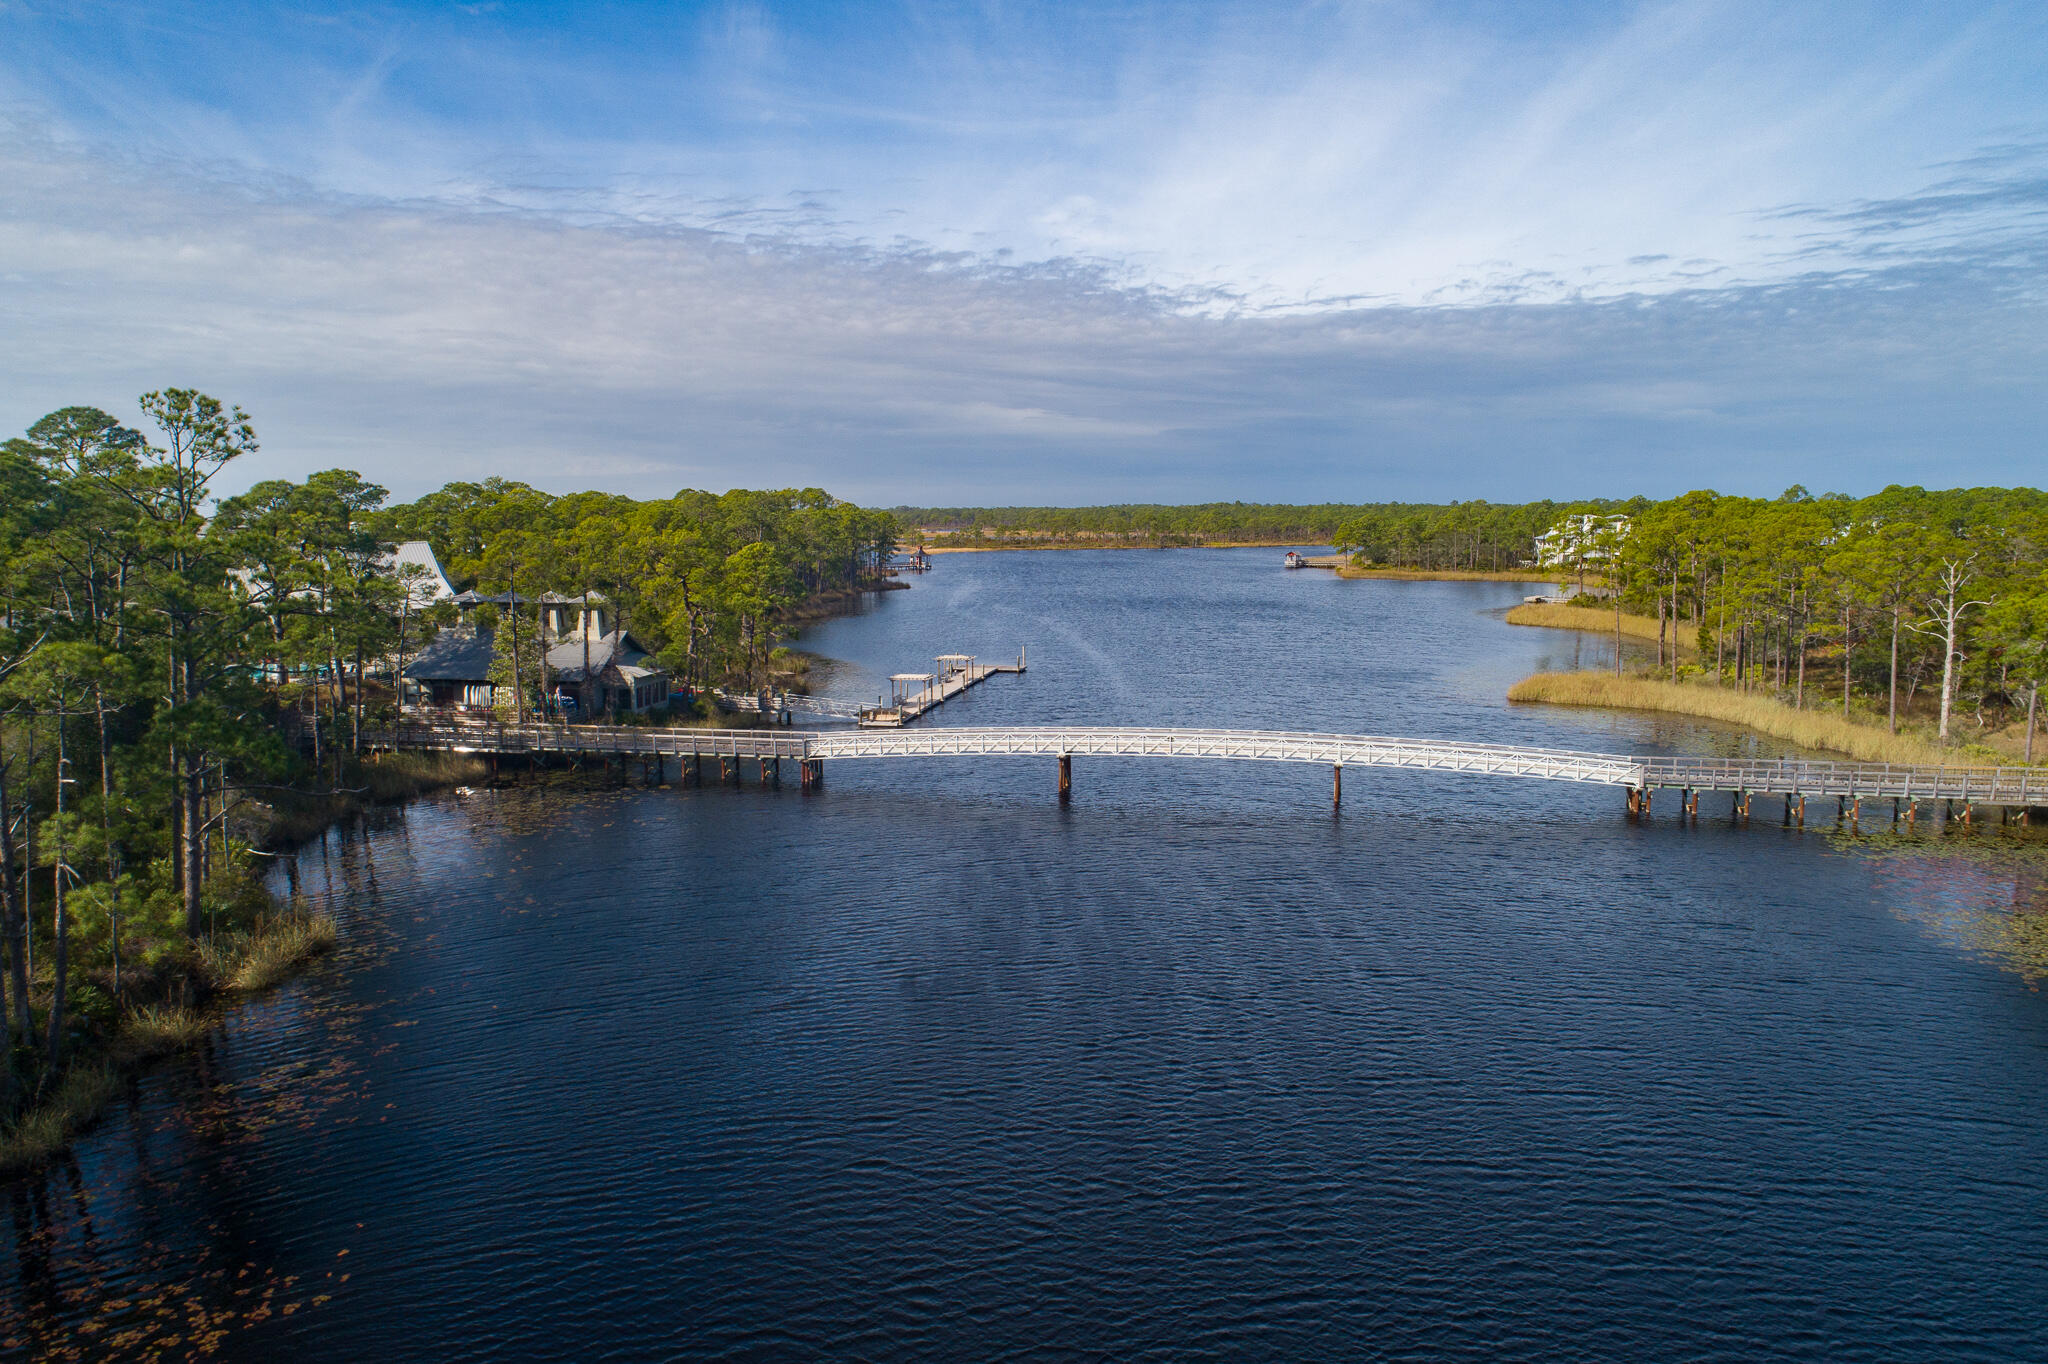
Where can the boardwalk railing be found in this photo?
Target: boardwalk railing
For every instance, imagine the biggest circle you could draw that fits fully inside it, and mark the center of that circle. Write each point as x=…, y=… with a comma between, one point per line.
x=1790, y=777
x=1855, y=781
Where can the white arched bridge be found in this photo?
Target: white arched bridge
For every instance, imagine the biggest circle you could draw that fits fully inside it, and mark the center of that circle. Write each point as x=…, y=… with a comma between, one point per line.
x=1792, y=779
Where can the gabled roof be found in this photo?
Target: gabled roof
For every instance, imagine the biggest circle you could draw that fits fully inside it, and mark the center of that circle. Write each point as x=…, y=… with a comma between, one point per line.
x=615, y=649
x=419, y=554
x=456, y=655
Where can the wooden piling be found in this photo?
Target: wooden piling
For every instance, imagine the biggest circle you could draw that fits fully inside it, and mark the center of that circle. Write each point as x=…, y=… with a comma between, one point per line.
x=1066, y=776
x=1336, y=786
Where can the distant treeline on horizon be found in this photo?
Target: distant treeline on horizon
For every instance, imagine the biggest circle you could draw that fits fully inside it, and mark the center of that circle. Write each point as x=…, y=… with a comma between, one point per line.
x=1483, y=531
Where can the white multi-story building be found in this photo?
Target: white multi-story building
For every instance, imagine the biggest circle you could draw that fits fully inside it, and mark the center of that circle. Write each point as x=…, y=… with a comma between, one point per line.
x=1580, y=541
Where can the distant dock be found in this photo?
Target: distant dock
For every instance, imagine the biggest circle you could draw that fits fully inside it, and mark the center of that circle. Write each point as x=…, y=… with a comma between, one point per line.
x=915, y=694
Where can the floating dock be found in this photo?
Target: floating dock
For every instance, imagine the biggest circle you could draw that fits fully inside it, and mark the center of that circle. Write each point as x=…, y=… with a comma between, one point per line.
x=914, y=694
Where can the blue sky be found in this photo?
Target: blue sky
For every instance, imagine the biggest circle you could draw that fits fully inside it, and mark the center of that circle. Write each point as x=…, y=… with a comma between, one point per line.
x=1007, y=252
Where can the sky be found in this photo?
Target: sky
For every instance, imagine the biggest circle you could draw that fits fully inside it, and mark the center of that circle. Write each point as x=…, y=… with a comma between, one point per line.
x=937, y=253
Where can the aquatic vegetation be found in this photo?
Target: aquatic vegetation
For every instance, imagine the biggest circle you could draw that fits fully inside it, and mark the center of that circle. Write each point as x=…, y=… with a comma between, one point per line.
x=47, y=1128
x=1558, y=616
x=1814, y=729
x=268, y=952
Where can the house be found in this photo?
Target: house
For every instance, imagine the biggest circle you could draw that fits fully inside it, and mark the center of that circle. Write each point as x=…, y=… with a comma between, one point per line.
x=428, y=581
x=621, y=676
x=1580, y=541
x=454, y=672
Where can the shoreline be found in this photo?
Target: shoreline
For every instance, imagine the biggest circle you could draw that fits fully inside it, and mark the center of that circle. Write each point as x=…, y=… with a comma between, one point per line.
x=1593, y=620
x=1821, y=730
x=1449, y=575
x=1063, y=545
x=1391, y=574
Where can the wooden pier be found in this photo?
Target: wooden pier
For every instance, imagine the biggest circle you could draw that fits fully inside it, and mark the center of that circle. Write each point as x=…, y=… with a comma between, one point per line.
x=2015, y=792
x=915, y=694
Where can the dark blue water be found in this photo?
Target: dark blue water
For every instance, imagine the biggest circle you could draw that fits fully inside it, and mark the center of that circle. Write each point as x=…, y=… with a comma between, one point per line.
x=929, y=1065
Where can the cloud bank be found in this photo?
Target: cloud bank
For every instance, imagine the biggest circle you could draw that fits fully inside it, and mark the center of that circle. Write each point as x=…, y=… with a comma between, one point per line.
x=424, y=305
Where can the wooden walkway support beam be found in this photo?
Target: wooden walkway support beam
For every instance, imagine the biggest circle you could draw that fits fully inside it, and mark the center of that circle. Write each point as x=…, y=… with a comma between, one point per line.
x=1066, y=776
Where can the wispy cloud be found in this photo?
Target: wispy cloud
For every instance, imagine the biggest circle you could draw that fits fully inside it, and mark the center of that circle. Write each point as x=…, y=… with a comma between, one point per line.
x=1354, y=255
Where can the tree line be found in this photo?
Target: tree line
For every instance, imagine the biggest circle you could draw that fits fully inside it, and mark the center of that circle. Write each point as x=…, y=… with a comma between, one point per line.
x=1878, y=602
x=1468, y=535
x=169, y=655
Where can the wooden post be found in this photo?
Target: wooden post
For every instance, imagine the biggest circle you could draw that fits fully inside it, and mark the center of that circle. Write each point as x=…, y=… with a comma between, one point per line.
x=1066, y=776
x=1635, y=802
x=1336, y=785
x=1802, y=812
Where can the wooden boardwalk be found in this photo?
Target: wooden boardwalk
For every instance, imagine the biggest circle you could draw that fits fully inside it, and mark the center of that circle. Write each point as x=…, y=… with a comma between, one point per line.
x=960, y=673
x=1792, y=779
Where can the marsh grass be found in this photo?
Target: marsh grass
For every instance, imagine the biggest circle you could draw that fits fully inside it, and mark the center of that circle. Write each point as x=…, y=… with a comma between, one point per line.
x=47, y=1128
x=1807, y=728
x=267, y=953
x=1557, y=616
x=238, y=963
x=158, y=1029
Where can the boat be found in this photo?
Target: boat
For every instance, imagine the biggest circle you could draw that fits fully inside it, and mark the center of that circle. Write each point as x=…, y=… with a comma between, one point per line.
x=1294, y=559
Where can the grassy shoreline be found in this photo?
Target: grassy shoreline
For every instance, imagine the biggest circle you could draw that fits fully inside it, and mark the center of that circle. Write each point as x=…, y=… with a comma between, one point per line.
x=226, y=971
x=1815, y=729
x=197, y=990
x=1396, y=574
x=1594, y=620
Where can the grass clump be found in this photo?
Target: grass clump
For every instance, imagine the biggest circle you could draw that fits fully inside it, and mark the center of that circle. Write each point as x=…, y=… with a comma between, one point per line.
x=268, y=952
x=46, y=1129
x=1558, y=616
x=1806, y=728
x=158, y=1029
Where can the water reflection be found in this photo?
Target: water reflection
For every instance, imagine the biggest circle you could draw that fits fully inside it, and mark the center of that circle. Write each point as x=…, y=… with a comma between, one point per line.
x=931, y=1065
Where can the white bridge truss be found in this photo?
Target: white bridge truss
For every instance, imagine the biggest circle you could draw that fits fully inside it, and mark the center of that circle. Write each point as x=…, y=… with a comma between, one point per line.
x=1329, y=750
x=2014, y=786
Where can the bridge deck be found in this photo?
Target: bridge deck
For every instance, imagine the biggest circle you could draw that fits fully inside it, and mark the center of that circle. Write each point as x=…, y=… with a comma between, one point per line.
x=1795, y=777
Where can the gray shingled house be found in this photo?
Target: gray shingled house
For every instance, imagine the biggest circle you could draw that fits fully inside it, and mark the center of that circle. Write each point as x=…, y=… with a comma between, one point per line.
x=454, y=671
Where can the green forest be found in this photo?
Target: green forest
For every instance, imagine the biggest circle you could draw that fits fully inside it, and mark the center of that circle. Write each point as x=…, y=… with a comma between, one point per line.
x=175, y=664
x=1903, y=600
x=1474, y=535
x=180, y=664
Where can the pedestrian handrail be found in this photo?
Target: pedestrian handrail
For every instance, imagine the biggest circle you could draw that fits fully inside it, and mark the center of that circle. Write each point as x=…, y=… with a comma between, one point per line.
x=1786, y=776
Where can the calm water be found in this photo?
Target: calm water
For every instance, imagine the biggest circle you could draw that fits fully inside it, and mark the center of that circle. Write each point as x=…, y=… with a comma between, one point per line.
x=930, y=1066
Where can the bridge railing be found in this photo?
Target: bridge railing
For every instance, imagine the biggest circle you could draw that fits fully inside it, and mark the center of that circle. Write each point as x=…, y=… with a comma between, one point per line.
x=1991, y=785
